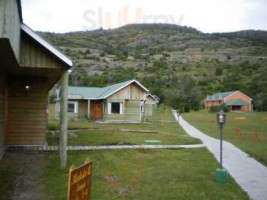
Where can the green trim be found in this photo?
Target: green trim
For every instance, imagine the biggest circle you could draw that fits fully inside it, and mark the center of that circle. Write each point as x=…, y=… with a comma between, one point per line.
x=220, y=95
x=237, y=102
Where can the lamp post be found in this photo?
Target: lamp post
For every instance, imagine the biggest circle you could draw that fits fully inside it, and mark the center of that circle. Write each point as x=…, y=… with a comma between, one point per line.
x=221, y=174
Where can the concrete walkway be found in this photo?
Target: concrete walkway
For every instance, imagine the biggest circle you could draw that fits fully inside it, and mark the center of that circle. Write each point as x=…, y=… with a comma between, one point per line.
x=247, y=172
x=86, y=148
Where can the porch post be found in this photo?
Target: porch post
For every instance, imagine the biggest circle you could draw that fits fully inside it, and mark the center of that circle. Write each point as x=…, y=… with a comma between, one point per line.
x=63, y=121
x=88, y=108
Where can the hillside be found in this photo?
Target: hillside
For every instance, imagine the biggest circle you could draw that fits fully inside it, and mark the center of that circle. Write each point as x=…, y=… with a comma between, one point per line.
x=180, y=64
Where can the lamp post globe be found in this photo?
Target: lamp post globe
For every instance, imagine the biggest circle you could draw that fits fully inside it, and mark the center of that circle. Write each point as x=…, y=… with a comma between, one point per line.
x=221, y=117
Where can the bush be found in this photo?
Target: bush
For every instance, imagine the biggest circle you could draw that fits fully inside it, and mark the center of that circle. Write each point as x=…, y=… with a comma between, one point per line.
x=215, y=109
x=218, y=71
x=52, y=98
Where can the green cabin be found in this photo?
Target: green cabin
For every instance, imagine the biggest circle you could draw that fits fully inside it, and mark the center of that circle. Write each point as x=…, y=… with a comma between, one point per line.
x=128, y=101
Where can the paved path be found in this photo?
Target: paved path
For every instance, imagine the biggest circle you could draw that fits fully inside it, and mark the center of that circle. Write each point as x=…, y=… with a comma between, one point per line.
x=86, y=148
x=247, y=172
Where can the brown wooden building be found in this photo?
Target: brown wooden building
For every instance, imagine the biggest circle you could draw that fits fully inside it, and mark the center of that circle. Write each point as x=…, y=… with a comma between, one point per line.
x=235, y=101
x=29, y=67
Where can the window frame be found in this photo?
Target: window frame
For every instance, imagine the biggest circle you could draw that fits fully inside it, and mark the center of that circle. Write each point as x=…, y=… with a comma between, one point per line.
x=110, y=108
x=75, y=103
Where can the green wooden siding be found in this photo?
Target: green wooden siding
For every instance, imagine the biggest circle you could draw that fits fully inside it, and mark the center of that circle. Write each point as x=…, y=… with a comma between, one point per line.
x=148, y=110
x=132, y=110
x=10, y=24
x=113, y=117
x=71, y=116
x=131, y=113
x=82, y=109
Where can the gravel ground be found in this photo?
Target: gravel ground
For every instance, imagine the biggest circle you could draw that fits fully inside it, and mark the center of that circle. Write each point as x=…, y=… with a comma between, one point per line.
x=27, y=183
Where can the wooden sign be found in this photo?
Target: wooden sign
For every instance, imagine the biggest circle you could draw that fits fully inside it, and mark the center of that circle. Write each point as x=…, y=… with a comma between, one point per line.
x=79, y=187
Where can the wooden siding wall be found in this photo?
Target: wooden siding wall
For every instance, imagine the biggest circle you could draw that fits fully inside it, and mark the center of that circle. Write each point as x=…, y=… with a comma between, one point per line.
x=131, y=92
x=32, y=55
x=92, y=105
x=71, y=116
x=150, y=100
x=131, y=97
x=2, y=92
x=26, y=114
x=83, y=109
x=10, y=24
x=113, y=117
x=122, y=94
x=148, y=110
x=151, y=105
x=133, y=110
x=132, y=113
x=137, y=93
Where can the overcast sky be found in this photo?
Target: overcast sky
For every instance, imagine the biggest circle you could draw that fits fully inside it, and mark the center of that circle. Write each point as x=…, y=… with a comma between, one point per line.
x=205, y=15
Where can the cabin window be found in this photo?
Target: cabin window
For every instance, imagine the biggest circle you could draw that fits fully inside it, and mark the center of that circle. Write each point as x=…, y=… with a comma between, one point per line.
x=115, y=108
x=73, y=107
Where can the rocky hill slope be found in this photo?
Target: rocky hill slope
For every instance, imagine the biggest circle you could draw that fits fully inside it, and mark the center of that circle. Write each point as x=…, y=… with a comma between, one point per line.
x=179, y=64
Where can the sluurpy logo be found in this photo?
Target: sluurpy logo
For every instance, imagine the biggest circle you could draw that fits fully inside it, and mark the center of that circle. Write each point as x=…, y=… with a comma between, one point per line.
x=101, y=17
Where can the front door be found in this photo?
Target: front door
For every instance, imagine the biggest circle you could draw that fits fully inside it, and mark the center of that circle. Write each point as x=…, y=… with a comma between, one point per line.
x=98, y=111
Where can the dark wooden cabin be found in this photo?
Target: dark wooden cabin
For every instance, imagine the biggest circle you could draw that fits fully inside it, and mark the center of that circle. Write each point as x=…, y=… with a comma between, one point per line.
x=29, y=68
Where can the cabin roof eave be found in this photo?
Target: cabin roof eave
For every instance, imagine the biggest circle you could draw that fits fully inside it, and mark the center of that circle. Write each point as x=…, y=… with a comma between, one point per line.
x=46, y=45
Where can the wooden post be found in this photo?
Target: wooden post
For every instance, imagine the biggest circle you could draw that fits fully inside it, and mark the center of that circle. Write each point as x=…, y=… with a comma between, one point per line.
x=47, y=110
x=144, y=113
x=88, y=109
x=63, y=121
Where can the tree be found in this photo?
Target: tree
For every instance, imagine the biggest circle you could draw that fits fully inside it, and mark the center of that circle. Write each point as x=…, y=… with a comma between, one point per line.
x=184, y=94
x=218, y=71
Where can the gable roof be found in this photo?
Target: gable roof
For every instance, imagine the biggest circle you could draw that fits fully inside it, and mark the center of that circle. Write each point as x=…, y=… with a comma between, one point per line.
x=237, y=102
x=99, y=93
x=220, y=95
x=223, y=95
x=153, y=97
x=84, y=92
x=45, y=44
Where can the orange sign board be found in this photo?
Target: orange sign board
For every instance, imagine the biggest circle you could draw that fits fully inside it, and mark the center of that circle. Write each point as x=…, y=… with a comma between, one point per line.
x=80, y=181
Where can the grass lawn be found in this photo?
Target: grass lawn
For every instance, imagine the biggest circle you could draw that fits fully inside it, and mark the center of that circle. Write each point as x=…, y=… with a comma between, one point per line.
x=253, y=136
x=144, y=175
x=112, y=134
x=140, y=174
x=135, y=174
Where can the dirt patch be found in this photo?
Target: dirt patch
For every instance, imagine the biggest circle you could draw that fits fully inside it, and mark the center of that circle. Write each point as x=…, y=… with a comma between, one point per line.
x=112, y=179
x=27, y=181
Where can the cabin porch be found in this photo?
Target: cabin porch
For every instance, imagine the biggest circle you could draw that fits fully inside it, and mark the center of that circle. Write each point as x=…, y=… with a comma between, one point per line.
x=24, y=88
